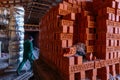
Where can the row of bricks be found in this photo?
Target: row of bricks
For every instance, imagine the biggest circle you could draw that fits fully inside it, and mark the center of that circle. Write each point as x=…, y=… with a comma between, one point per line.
x=57, y=36
x=66, y=61
x=109, y=55
x=105, y=36
x=70, y=29
x=114, y=69
x=103, y=71
x=107, y=3
x=106, y=49
x=83, y=4
x=108, y=42
x=111, y=17
x=70, y=16
x=76, y=2
x=55, y=13
x=63, y=44
x=61, y=29
x=65, y=52
x=63, y=64
x=108, y=26
x=58, y=49
x=60, y=44
x=87, y=30
x=106, y=22
x=65, y=8
x=86, y=23
x=108, y=10
x=106, y=74
x=64, y=36
x=104, y=52
x=87, y=36
x=61, y=26
x=108, y=29
x=84, y=37
x=84, y=16
x=88, y=65
x=71, y=8
x=90, y=24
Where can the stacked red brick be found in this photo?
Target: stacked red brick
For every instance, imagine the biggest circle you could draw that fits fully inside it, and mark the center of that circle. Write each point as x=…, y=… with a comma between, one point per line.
x=87, y=31
x=56, y=33
x=108, y=30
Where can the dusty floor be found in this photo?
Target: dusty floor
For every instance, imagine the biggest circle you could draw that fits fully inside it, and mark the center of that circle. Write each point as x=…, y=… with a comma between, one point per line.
x=9, y=76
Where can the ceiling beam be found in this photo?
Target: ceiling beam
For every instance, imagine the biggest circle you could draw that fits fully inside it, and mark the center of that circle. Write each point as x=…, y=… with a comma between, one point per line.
x=42, y=4
x=37, y=11
x=34, y=14
x=39, y=8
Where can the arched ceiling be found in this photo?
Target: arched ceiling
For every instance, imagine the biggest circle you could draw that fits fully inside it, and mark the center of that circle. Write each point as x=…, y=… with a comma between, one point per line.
x=34, y=9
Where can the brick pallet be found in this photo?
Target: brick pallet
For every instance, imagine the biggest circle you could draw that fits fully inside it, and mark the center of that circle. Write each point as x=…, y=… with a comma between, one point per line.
x=74, y=21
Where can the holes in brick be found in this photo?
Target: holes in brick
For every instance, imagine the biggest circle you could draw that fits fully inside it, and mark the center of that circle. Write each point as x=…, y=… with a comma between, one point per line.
x=110, y=68
x=109, y=42
x=77, y=76
x=89, y=74
x=68, y=29
x=92, y=30
x=109, y=55
x=91, y=42
x=117, y=30
x=117, y=68
x=113, y=30
x=117, y=42
x=76, y=60
x=67, y=43
x=113, y=54
x=117, y=54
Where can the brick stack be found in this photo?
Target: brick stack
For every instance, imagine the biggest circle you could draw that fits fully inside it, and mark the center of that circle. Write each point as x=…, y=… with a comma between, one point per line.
x=86, y=31
x=73, y=21
x=107, y=32
x=105, y=27
x=57, y=33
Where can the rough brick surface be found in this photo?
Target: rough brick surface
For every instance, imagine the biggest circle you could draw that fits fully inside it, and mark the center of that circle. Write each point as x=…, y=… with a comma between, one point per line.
x=96, y=24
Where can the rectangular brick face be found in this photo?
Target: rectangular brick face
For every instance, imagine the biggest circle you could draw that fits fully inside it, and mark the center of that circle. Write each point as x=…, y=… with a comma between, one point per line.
x=66, y=36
